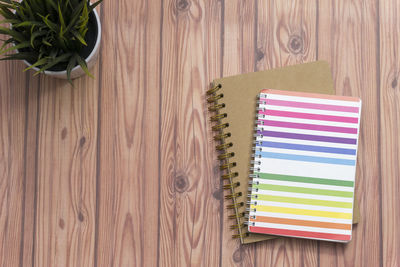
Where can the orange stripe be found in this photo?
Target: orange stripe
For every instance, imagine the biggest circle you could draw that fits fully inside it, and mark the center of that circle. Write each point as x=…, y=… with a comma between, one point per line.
x=293, y=93
x=302, y=222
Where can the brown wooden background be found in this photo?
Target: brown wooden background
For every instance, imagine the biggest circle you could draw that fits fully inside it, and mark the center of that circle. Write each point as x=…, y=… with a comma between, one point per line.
x=121, y=170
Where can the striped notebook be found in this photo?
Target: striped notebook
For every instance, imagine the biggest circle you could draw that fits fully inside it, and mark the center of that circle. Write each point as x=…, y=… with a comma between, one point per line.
x=304, y=165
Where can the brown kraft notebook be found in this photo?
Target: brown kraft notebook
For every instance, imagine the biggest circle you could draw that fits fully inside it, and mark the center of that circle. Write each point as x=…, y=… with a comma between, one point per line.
x=232, y=105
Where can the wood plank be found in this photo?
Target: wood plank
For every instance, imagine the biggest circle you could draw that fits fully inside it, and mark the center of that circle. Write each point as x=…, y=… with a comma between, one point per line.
x=285, y=36
x=128, y=174
x=347, y=38
x=286, y=33
x=66, y=181
x=190, y=201
x=208, y=252
x=389, y=103
x=13, y=126
x=30, y=176
x=238, y=57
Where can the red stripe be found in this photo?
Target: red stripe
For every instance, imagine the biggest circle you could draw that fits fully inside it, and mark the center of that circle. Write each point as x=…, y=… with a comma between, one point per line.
x=312, y=95
x=298, y=104
x=296, y=233
x=308, y=116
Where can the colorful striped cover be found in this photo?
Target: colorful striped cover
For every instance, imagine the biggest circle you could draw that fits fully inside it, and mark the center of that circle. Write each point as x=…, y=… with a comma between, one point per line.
x=305, y=163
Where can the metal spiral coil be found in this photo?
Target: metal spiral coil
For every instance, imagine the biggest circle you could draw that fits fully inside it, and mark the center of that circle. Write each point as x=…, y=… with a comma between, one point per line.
x=227, y=166
x=234, y=206
x=255, y=163
x=237, y=226
x=222, y=136
x=225, y=157
x=214, y=98
x=241, y=236
x=229, y=175
x=229, y=186
x=224, y=146
x=218, y=117
x=235, y=195
x=240, y=215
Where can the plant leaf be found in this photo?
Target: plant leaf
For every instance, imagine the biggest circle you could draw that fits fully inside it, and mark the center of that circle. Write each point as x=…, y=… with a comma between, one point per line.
x=70, y=66
x=37, y=63
x=60, y=15
x=35, y=35
x=93, y=6
x=18, y=46
x=83, y=64
x=6, y=42
x=7, y=14
x=28, y=56
x=28, y=24
x=54, y=27
x=17, y=35
x=12, y=21
x=54, y=62
x=79, y=37
x=75, y=15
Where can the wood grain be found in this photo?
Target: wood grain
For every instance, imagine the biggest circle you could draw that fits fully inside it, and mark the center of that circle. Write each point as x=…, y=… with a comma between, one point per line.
x=121, y=170
x=389, y=104
x=128, y=175
x=238, y=57
x=12, y=147
x=290, y=39
x=187, y=180
x=348, y=40
x=66, y=195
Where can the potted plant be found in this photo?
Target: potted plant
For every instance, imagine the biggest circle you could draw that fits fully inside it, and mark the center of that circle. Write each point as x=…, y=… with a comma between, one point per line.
x=60, y=38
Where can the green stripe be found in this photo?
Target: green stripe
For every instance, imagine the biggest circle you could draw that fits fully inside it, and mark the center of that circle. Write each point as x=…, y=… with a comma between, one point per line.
x=302, y=179
x=303, y=190
x=306, y=201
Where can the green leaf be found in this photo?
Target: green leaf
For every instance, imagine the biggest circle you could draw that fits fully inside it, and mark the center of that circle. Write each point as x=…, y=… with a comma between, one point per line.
x=28, y=24
x=6, y=13
x=18, y=46
x=70, y=66
x=79, y=37
x=37, y=63
x=13, y=33
x=83, y=64
x=54, y=62
x=54, y=27
x=6, y=42
x=10, y=2
x=75, y=16
x=46, y=43
x=35, y=35
x=60, y=15
x=49, y=5
x=28, y=56
x=12, y=21
x=94, y=5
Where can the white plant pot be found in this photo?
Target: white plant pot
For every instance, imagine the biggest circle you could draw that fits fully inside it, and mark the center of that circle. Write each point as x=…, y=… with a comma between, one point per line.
x=90, y=60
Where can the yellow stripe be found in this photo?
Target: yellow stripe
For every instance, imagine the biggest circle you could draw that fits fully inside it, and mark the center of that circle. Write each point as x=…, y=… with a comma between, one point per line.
x=317, y=213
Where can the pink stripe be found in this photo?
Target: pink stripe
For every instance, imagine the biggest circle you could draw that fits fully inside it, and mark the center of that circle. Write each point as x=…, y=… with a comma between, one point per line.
x=297, y=233
x=309, y=116
x=296, y=104
x=309, y=126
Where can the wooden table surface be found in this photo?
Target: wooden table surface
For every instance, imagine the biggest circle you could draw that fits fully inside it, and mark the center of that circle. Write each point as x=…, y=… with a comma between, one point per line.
x=121, y=170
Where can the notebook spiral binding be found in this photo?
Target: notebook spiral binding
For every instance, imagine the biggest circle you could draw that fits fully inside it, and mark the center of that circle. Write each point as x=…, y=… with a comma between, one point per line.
x=226, y=158
x=255, y=163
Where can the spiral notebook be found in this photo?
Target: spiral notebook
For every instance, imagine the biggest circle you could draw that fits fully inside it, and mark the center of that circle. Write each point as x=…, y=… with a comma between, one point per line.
x=304, y=165
x=232, y=105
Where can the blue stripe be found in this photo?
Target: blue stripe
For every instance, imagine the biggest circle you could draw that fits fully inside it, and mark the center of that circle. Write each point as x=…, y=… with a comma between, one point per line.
x=306, y=158
x=324, y=149
x=309, y=137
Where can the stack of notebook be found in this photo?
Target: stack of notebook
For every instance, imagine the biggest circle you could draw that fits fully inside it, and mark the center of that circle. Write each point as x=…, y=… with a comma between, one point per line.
x=287, y=152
